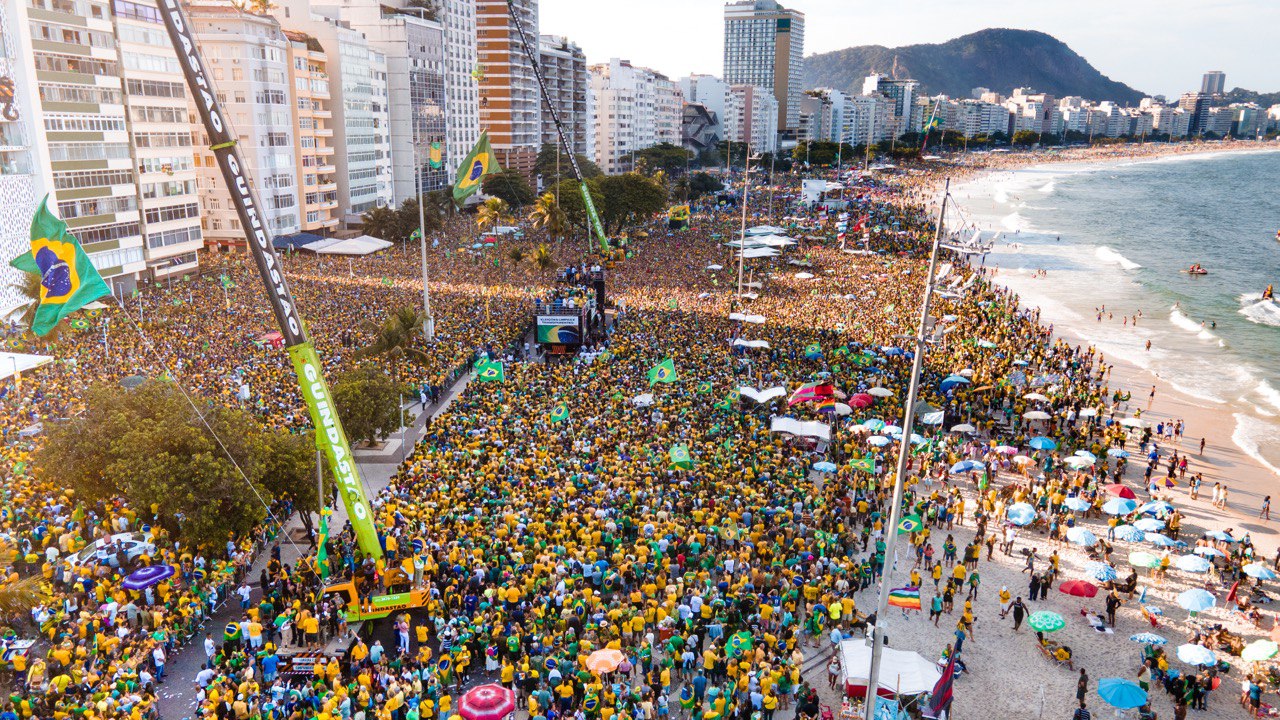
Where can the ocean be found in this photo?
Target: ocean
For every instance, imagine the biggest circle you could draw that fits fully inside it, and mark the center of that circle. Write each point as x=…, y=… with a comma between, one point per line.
x=1120, y=235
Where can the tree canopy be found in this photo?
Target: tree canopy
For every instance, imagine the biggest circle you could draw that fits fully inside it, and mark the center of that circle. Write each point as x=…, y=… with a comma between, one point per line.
x=509, y=185
x=397, y=224
x=670, y=159
x=368, y=403
x=546, y=166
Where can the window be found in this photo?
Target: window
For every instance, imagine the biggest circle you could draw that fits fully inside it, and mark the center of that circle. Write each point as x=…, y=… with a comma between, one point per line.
x=134, y=11
x=173, y=237
x=172, y=188
x=172, y=212
x=307, y=142
x=58, y=122
x=269, y=97
x=167, y=165
x=155, y=140
x=92, y=178
x=88, y=151
x=104, y=233
x=89, y=207
x=144, y=35
x=277, y=139
x=53, y=92
x=156, y=88
x=282, y=202
x=144, y=113
x=54, y=62
x=115, y=258
x=151, y=63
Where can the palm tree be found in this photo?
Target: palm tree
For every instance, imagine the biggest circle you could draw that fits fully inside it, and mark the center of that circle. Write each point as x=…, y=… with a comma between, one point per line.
x=493, y=211
x=25, y=313
x=516, y=253
x=17, y=599
x=396, y=336
x=547, y=215
x=542, y=258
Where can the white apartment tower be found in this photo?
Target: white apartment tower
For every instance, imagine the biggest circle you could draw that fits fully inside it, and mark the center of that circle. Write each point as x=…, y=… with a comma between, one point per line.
x=764, y=46
x=564, y=71
x=22, y=181
x=636, y=108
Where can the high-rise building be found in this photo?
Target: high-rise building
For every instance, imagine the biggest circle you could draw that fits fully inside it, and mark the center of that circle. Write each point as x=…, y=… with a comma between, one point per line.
x=510, y=104
x=358, y=105
x=706, y=90
x=1197, y=107
x=22, y=156
x=751, y=115
x=764, y=46
x=461, y=83
x=636, y=108
x=318, y=185
x=564, y=71
x=248, y=57
x=700, y=129
x=1214, y=82
x=902, y=100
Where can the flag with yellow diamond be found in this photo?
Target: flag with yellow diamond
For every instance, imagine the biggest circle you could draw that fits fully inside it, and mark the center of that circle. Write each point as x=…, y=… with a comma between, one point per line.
x=663, y=372
x=479, y=162
x=68, y=281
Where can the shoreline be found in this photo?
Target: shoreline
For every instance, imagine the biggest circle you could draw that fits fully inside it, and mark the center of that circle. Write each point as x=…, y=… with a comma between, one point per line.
x=1248, y=478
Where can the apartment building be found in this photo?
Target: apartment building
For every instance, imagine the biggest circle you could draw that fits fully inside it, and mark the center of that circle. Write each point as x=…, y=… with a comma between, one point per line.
x=764, y=47
x=636, y=108
x=751, y=115
x=22, y=180
x=564, y=71
x=510, y=103
x=312, y=143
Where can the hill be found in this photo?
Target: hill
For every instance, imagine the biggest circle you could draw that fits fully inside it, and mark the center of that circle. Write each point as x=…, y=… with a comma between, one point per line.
x=1241, y=95
x=1000, y=59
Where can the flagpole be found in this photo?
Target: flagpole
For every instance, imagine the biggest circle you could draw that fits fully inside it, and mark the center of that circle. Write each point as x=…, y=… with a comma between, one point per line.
x=428, y=323
x=742, y=237
x=904, y=455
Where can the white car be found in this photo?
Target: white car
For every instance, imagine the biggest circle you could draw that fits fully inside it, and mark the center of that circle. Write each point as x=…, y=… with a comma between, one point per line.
x=106, y=550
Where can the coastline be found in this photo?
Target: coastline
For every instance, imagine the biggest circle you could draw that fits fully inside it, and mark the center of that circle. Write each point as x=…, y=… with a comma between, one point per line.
x=1248, y=478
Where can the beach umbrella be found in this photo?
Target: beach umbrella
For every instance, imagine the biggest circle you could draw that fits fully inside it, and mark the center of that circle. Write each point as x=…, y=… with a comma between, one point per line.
x=1043, y=443
x=1021, y=363
x=880, y=392
x=1079, y=588
x=1259, y=650
x=1077, y=462
x=1156, y=507
x=1118, y=506
x=1143, y=559
x=1036, y=415
x=1148, y=639
x=1149, y=525
x=1081, y=536
x=1117, y=452
x=891, y=430
x=952, y=381
x=1192, y=563
x=1259, y=571
x=843, y=410
x=1088, y=412
x=487, y=702
x=1020, y=514
x=1100, y=571
x=1163, y=541
x=145, y=577
x=1196, y=600
x=1131, y=422
x=1129, y=533
x=1004, y=449
x=1207, y=551
x=1220, y=536
x=1021, y=459
x=715, y=267
x=1196, y=655
x=644, y=400
x=986, y=344
x=967, y=466
x=1087, y=455
x=1121, y=693
x=1046, y=621
x=824, y=467
x=1035, y=396
x=861, y=400
x=878, y=440
x=963, y=428
x=1120, y=490
x=605, y=661
x=873, y=424
x=1077, y=504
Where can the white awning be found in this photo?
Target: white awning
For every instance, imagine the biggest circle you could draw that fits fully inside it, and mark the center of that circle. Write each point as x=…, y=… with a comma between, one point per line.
x=20, y=362
x=906, y=672
x=759, y=252
x=792, y=426
x=363, y=245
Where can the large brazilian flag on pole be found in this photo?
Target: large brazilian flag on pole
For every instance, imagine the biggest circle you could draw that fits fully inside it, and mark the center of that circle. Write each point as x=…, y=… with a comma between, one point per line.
x=68, y=281
x=479, y=162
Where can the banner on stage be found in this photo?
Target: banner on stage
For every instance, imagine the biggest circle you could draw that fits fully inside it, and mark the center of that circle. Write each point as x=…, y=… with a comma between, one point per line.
x=559, y=329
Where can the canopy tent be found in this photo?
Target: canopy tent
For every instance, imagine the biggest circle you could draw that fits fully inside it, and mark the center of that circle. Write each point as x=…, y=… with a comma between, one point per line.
x=901, y=672
x=363, y=245
x=765, y=230
x=294, y=241
x=11, y=363
x=759, y=252
x=504, y=230
x=792, y=426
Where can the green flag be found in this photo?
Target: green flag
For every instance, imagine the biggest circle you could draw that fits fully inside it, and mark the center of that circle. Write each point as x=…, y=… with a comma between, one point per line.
x=387, y=281
x=673, y=304
x=322, y=552
x=478, y=163
x=490, y=371
x=909, y=524
x=704, y=388
x=435, y=156
x=679, y=456
x=559, y=413
x=68, y=281
x=417, y=233
x=226, y=281
x=866, y=464
x=663, y=372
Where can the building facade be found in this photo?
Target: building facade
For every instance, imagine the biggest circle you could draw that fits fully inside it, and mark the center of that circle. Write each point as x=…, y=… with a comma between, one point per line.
x=564, y=71
x=510, y=104
x=902, y=100
x=461, y=80
x=764, y=47
x=751, y=115
x=1214, y=82
x=312, y=117
x=22, y=156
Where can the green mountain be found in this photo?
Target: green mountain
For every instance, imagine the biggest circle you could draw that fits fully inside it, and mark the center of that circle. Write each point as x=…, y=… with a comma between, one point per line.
x=1241, y=95
x=998, y=58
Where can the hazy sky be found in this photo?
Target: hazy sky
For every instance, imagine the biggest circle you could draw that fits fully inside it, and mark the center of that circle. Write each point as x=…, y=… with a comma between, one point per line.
x=1156, y=46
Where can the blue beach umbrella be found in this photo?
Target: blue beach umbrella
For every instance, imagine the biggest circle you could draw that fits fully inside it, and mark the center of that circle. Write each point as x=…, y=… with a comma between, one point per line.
x=878, y=440
x=1121, y=693
x=1192, y=563
x=1086, y=455
x=1149, y=525
x=1196, y=600
x=1148, y=639
x=824, y=467
x=1259, y=571
x=1081, y=536
x=1118, y=453
x=1207, y=551
x=1163, y=541
x=966, y=466
x=1157, y=508
x=1100, y=571
x=1078, y=504
x=1118, y=506
x=1221, y=536
x=1020, y=514
x=1196, y=655
x=1129, y=533
x=1043, y=443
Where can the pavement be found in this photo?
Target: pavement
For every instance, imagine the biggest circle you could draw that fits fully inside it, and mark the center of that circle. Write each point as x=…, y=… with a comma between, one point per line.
x=377, y=466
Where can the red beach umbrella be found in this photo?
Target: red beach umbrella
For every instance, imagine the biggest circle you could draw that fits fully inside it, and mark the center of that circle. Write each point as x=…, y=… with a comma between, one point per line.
x=862, y=400
x=1079, y=588
x=487, y=702
x=1121, y=491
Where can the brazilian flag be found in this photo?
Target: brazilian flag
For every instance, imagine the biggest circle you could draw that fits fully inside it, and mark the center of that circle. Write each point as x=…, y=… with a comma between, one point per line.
x=686, y=697
x=489, y=371
x=704, y=388
x=866, y=464
x=559, y=413
x=478, y=163
x=813, y=351
x=663, y=372
x=231, y=632
x=322, y=551
x=436, y=156
x=910, y=524
x=679, y=456
x=68, y=281
x=226, y=281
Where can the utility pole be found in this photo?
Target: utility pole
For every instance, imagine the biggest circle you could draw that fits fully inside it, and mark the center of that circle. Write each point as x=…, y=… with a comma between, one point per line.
x=742, y=236
x=904, y=456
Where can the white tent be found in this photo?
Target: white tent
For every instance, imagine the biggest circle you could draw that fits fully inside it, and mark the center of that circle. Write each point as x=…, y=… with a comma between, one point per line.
x=792, y=426
x=743, y=317
x=753, y=344
x=762, y=396
x=11, y=363
x=905, y=672
x=363, y=245
x=765, y=230
x=759, y=252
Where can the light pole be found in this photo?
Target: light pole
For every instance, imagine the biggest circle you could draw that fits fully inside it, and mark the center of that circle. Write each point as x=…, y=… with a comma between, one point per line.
x=904, y=456
x=742, y=236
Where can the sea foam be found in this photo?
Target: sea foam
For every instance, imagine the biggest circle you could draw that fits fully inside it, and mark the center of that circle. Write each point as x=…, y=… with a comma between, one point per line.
x=1108, y=255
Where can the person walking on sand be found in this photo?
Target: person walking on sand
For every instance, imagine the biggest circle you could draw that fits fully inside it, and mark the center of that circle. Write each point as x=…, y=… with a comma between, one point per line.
x=1152, y=397
x=1082, y=686
x=1266, y=509
x=1201, y=446
x=1081, y=713
x=1019, y=611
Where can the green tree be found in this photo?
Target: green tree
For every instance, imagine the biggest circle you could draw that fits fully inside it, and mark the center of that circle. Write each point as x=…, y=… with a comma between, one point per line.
x=547, y=215
x=1025, y=138
x=492, y=213
x=509, y=185
x=630, y=198
x=289, y=469
x=397, y=338
x=665, y=157
x=516, y=254
x=554, y=167
x=703, y=184
x=575, y=211
x=25, y=314
x=542, y=258
x=368, y=403
x=149, y=446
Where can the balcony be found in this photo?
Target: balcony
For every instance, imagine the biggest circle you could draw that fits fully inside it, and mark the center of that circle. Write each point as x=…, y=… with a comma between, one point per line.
x=324, y=151
x=322, y=169
x=324, y=132
x=321, y=113
x=327, y=187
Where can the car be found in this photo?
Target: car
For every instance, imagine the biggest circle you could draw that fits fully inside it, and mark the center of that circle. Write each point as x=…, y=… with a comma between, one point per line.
x=105, y=551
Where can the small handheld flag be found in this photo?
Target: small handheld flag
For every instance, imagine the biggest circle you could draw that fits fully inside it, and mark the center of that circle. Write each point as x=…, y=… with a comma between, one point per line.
x=663, y=372
x=490, y=371
x=909, y=524
x=907, y=598
x=866, y=464
x=679, y=456
x=559, y=413
x=68, y=281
